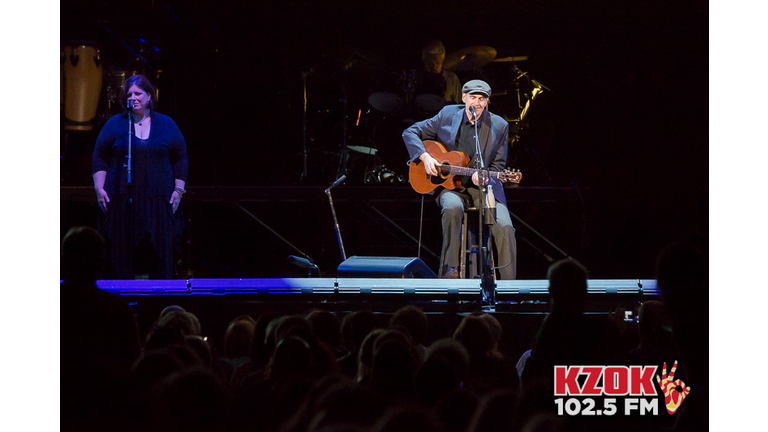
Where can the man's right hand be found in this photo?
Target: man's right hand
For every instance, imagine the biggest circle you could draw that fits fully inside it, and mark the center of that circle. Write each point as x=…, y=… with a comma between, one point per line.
x=431, y=165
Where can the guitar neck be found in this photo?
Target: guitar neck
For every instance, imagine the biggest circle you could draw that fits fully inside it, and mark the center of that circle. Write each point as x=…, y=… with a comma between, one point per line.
x=466, y=171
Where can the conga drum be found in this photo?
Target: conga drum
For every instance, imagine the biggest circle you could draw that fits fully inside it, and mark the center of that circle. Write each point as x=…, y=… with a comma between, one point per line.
x=82, y=77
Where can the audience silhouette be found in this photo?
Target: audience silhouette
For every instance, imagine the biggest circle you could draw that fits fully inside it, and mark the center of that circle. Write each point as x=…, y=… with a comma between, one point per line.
x=444, y=371
x=355, y=327
x=99, y=339
x=237, y=342
x=412, y=321
x=488, y=368
x=568, y=336
x=682, y=273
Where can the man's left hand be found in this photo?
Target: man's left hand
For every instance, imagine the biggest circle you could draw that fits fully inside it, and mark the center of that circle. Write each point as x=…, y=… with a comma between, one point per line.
x=476, y=179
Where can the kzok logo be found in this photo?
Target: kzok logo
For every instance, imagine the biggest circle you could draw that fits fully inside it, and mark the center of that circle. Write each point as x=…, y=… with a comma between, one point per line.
x=672, y=396
x=617, y=381
x=607, y=381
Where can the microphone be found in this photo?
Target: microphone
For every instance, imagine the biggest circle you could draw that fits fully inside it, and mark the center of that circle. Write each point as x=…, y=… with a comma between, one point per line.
x=540, y=85
x=129, y=105
x=472, y=110
x=303, y=263
x=300, y=262
x=336, y=183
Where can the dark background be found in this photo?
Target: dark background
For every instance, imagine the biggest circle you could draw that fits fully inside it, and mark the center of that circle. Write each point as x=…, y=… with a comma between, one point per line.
x=625, y=124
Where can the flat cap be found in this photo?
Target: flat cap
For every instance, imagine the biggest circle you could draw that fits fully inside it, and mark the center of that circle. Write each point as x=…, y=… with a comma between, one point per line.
x=477, y=86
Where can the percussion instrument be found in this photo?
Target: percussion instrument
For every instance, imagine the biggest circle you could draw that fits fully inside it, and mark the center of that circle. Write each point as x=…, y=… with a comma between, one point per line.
x=470, y=58
x=81, y=76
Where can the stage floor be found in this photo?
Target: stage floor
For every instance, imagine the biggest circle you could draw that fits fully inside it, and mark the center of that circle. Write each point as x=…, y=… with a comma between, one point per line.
x=328, y=288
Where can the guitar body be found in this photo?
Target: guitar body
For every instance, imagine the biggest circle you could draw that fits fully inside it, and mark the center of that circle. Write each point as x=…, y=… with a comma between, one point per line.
x=453, y=163
x=425, y=183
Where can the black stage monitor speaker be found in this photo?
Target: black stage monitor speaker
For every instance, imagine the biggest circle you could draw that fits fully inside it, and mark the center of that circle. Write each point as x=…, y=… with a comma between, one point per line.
x=384, y=267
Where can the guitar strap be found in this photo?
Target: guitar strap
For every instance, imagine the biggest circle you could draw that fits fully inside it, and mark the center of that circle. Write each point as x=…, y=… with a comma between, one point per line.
x=484, y=136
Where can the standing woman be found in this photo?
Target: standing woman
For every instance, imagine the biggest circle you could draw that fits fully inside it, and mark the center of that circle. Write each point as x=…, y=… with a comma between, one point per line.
x=140, y=220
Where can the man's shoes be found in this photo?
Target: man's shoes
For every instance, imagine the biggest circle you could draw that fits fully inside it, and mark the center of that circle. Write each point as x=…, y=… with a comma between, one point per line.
x=452, y=273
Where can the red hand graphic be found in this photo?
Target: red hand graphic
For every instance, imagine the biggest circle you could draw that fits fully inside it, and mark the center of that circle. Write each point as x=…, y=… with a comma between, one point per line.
x=672, y=397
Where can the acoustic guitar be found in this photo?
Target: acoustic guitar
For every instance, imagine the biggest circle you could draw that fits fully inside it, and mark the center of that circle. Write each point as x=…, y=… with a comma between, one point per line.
x=453, y=163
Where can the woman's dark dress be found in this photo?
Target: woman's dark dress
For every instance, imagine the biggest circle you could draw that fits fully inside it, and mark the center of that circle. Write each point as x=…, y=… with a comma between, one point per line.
x=141, y=232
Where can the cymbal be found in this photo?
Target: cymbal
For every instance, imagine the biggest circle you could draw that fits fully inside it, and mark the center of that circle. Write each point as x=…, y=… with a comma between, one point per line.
x=469, y=58
x=511, y=59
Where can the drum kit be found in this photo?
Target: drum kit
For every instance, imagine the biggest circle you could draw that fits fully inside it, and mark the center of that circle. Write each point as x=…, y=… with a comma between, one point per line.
x=392, y=101
x=349, y=89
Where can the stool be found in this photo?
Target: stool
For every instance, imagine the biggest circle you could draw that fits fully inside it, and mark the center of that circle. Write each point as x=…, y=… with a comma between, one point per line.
x=467, y=249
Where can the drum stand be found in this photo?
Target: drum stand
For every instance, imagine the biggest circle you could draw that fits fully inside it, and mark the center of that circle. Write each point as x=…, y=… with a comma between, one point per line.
x=304, y=173
x=537, y=90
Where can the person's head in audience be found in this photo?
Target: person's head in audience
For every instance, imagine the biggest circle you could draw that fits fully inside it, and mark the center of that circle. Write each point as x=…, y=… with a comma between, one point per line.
x=169, y=309
x=83, y=255
x=258, y=350
x=653, y=323
x=474, y=335
x=407, y=419
x=171, y=328
x=394, y=365
x=452, y=353
x=495, y=326
x=192, y=399
x=567, y=286
x=365, y=355
x=356, y=326
x=291, y=359
x=413, y=320
x=444, y=370
x=237, y=338
x=326, y=327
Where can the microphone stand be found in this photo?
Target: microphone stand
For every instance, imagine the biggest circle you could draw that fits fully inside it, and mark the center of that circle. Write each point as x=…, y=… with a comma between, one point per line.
x=335, y=219
x=129, y=181
x=487, y=276
x=129, y=189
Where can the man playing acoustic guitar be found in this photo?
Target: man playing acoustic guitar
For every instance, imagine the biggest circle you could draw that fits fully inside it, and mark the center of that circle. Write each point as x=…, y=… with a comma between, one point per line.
x=454, y=127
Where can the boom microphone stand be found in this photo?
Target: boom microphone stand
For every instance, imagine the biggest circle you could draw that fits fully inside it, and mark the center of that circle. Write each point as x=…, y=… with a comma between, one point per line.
x=128, y=158
x=335, y=219
x=129, y=190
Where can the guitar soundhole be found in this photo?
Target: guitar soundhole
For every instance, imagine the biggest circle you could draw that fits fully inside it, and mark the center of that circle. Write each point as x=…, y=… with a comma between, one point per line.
x=445, y=169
